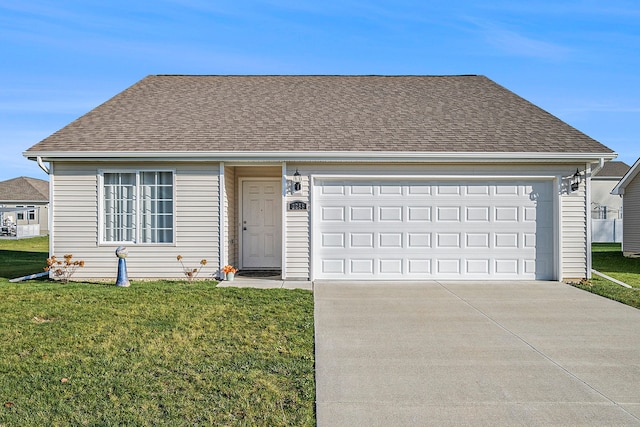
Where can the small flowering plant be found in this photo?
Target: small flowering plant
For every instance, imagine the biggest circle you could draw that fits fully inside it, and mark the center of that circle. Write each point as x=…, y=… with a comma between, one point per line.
x=229, y=269
x=63, y=270
x=191, y=273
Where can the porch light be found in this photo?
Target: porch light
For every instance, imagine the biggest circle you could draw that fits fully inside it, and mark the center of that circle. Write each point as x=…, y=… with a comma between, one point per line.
x=576, y=179
x=297, y=181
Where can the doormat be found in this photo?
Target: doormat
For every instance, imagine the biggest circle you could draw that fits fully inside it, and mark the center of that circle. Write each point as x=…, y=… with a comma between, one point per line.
x=259, y=273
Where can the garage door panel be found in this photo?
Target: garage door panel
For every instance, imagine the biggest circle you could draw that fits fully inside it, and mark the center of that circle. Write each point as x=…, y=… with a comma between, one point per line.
x=391, y=266
x=477, y=213
x=448, y=189
x=418, y=240
x=361, y=213
x=333, y=240
x=506, y=240
x=434, y=230
x=361, y=190
x=477, y=240
x=477, y=190
x=447, y=240
x=478, y=266
x=390, y=213
x=361, y=266
x=418, y=189
x=419, y=267
x=333, y=213
x=390, y=240
x=390, y=189
x=333, y=267
x=418, y=213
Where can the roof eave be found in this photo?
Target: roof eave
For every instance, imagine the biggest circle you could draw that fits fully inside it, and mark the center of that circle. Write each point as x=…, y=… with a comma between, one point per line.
x=322, y=156
x=626, y=179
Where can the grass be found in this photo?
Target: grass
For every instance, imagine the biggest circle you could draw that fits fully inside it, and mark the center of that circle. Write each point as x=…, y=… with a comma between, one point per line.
x=608, y=259
x=21, y=257
x=157, y=353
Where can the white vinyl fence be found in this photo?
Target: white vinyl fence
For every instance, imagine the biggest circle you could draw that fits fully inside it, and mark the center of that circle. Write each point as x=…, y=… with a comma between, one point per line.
x=606, y=230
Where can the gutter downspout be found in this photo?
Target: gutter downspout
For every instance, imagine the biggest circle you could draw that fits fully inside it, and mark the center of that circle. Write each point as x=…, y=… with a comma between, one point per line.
x=597, y=168
x=43, y=166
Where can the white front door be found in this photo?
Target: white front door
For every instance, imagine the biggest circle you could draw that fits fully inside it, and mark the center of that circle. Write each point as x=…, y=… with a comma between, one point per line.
x=261, y=224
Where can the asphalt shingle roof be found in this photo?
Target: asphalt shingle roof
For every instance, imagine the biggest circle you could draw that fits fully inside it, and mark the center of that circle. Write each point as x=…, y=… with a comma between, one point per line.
x=24, y=189
x=318, y=114
x=613, y=169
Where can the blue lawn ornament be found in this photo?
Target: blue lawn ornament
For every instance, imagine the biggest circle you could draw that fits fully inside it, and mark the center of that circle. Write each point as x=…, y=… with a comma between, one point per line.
x=123, y=279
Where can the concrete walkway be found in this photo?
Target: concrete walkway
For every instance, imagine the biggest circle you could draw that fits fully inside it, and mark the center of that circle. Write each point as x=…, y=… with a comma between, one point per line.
x=474, y=354
x=266, y=283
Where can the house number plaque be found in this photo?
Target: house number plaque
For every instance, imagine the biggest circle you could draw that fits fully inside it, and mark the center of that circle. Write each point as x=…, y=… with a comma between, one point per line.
x=298, y=205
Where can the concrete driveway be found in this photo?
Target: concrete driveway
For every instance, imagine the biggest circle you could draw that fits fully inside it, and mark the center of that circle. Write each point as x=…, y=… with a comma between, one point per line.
x=473, y=353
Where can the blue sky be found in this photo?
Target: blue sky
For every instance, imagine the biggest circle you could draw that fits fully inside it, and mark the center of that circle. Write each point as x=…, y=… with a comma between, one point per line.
x=579, y=59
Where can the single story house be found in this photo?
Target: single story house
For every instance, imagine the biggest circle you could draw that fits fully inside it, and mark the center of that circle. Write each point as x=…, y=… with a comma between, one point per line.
x=323, y=177
x=629, y=189
x=24, y=207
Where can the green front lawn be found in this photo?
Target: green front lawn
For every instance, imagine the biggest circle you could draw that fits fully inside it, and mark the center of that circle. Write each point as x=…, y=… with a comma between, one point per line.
x=608, y=259
x=157, y=353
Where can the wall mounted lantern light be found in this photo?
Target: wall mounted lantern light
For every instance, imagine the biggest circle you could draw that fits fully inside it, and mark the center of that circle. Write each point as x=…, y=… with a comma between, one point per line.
x=297, y=181
x=576, y=179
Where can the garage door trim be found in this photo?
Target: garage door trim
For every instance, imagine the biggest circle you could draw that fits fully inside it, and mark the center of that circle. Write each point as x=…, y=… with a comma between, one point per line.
x=552, y=179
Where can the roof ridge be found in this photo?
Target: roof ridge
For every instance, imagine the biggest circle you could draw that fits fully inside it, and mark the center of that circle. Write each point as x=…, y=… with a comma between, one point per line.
x=315, y=75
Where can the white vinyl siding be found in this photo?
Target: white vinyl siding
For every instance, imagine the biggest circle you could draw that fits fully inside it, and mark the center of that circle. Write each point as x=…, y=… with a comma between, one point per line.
x=298, y=238
x=631, y=218
x=574, y=234
x=76, y=193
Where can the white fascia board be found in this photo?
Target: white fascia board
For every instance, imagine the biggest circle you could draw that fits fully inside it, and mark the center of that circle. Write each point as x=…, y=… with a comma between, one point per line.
x=323, y=156
x=626, y=179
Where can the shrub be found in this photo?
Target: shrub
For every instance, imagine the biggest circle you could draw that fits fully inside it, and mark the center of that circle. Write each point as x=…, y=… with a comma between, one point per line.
x=63, y=270
x=191, y=273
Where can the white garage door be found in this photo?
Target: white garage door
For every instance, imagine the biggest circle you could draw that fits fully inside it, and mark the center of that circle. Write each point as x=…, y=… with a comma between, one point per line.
x=388, y=230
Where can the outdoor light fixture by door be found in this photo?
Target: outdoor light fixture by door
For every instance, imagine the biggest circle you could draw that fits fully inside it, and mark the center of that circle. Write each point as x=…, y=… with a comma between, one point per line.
x=576, y=180
x=297, y=181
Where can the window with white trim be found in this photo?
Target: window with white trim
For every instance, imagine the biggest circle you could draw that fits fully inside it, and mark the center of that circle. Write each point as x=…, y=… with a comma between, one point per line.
x=137, y=207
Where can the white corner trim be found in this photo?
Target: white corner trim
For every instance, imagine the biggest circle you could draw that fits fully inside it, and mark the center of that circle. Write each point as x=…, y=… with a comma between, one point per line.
x=557, y=225
x=223, y=257
x=312, y=259
x=283, y=267
x=587, y=210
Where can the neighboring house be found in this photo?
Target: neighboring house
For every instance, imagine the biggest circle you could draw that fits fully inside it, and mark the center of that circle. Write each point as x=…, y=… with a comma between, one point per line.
x=606, y=208
x=323, y=177
x=629, y=189
x=24, y=204
x=605, y=205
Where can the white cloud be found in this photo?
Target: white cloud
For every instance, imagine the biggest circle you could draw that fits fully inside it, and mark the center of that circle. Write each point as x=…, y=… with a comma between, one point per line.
x=515, y=43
